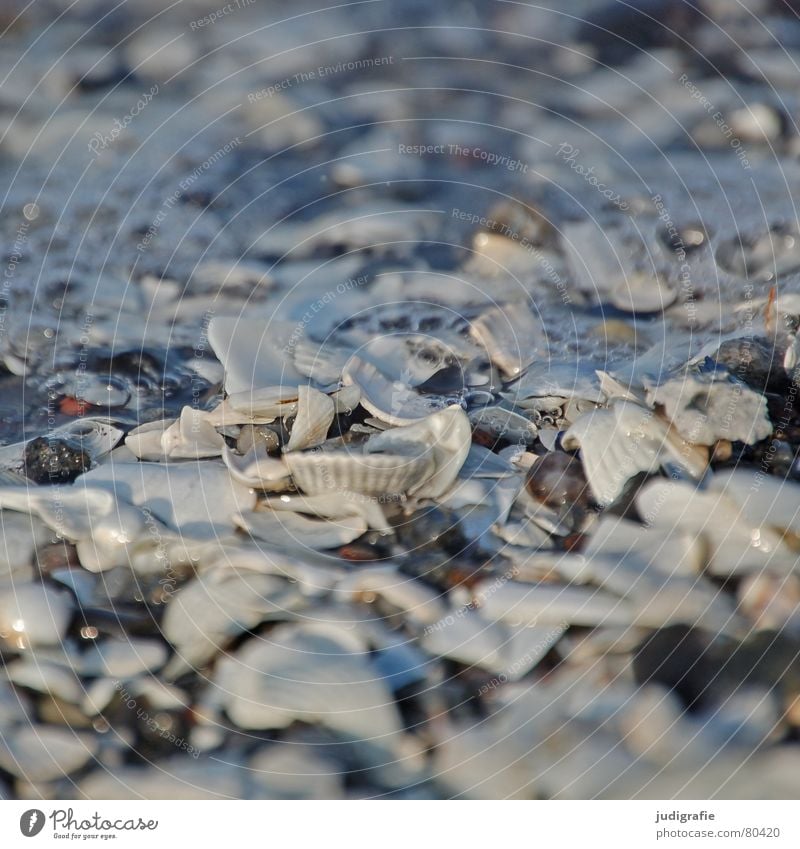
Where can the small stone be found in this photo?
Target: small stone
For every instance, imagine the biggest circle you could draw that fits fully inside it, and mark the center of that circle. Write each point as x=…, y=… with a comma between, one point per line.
x=557, y=480
x=54, y=461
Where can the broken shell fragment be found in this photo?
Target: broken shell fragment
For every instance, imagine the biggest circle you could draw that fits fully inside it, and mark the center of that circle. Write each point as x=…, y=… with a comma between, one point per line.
x=619, y=442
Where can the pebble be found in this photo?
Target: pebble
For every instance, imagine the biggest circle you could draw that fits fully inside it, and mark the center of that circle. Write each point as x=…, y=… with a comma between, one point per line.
x=33, y=615
x=44, y=753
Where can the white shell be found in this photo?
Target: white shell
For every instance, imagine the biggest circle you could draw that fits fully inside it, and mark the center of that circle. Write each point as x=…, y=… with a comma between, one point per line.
x=422, y=460
x=33, y=615
x=315, y=413
x=293, y=530
x=416, y=601
x=45, y=752
x=548, y=604
x=123, y=658
x=509, y=336
x=213, y=608
x=619, y=442
x=705, y=410
x=96, y=437
x=737, y=542
x=317, y=472
x=258, y=469
x=510, y=651
x=254, y=353
x=316, y=674
x=197, y=499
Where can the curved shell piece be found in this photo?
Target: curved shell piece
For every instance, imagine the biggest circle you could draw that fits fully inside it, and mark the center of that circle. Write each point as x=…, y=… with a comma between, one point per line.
x=254, y=353
x=96, y=438
x=190, y=437
x=730, y=522
x=393, y=401
x=258, y=469
x=315, y=413
x=704, y=409
x=317, y=674
x=509, y=336
x=619, y=442
x=316, y=472
x=422, y=460
x=294, y=530
x=448, y=436
x=547, y=604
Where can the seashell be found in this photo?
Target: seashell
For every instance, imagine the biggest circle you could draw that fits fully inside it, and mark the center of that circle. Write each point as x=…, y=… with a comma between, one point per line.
x=255, y=354
x=373, y=226
x=547, y=604
x=293, y=530
x=313, y=673
x=496, y=255
x=33, y=615
x=212, y=609
x=94, y=437
x=316, y=472
x=499, y=423
x=610, y=266
x=415, y=600
x=730, y=518
x=191, y=437
x=671, y=551
x=315, y=414
x=704, y=409
x=771, y=602
x=421, y=460
x=179, y=778
x=506, y=650
x=45, y=677
x=655, y=728
x=292, y=771
x=195, y=498
x=123, y=658
x=44, y=752
x=509, y=336
x=619, y=442
x=348, y=514
x=643, y=293
x=548, y=385
x=258, y=469
x=22, y=536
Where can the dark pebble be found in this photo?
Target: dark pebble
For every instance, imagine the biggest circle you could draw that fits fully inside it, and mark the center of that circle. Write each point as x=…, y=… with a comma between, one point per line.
x=754, y=361
x=557, y=480
x=54, y=461
x=680, y=658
